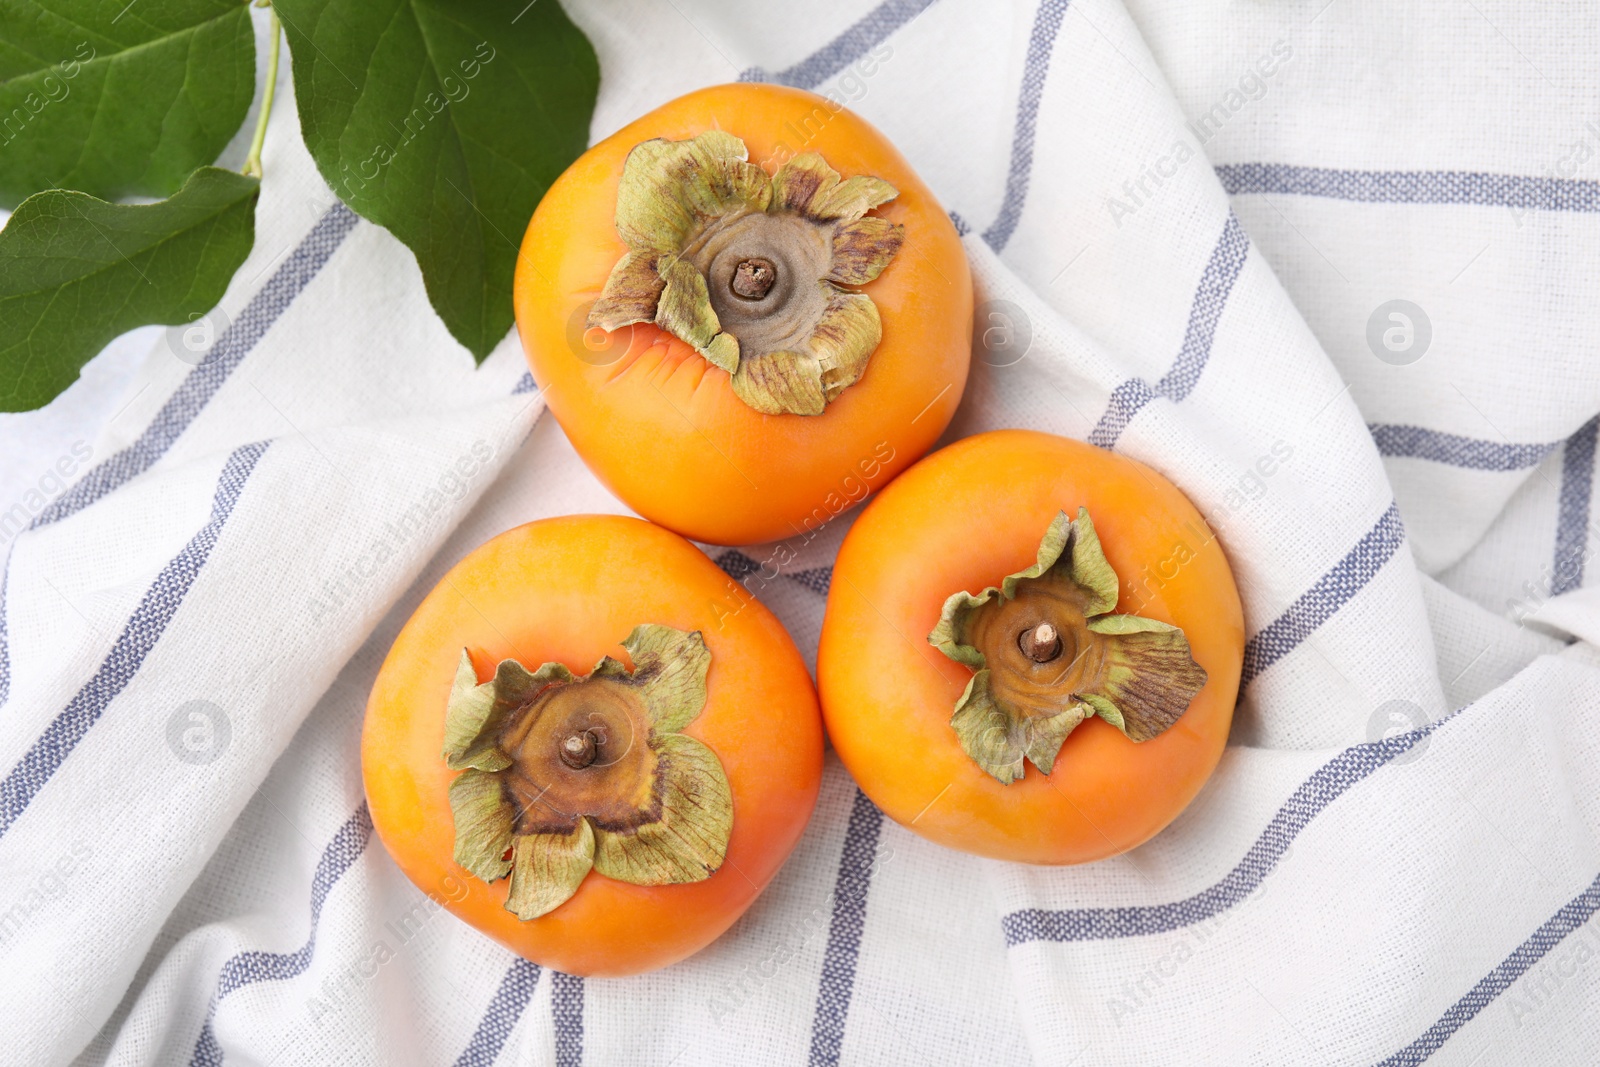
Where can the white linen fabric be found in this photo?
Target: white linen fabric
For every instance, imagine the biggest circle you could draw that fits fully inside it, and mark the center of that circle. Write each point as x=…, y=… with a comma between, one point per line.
x=1329, y=265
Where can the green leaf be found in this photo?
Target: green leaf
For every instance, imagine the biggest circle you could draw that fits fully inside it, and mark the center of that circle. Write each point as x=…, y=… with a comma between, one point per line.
x=1047, y=733
x=671, y=667
x=950, y=635
x=1090, y=569
x=778, y=383
x=991, y=735
x=1056, y=538
x=477, y=713
x=669, y=189
x=76, y=272
x=484, y=819
x=685, y=311
x=1149, y=675
x=690, y=840
x=116, y=99
x=444, y=121
x=997, y=737
x=547, y=870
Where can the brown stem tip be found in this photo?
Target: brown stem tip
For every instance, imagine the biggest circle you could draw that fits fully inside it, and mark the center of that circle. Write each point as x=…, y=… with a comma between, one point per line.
x=1040, y=644
x=579, y=750
x=753, y=278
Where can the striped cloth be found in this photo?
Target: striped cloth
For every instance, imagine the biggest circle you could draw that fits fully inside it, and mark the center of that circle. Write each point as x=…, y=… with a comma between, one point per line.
x=1329, y=265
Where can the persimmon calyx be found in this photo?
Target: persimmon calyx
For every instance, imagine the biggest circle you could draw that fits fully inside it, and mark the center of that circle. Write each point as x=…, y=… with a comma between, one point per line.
x=1047, y=653
x=563, y=774
x=751, y=269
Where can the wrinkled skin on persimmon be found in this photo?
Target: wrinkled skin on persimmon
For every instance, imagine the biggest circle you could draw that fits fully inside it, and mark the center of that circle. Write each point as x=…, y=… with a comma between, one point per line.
x=962, y=520
x=569, y=591
x=658, y=421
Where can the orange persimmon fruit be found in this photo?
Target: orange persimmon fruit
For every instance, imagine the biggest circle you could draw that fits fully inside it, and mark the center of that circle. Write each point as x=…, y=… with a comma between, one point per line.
x=675, y=356
x=1151, y=651
x=609, y=772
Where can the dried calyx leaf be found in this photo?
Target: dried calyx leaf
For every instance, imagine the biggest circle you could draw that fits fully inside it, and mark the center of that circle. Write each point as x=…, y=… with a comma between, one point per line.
x=562, y=774
x=749, y=268
x=1047, y=654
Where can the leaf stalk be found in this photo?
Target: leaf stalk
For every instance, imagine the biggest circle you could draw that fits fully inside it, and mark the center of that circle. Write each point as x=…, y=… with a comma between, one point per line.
x=252, y=162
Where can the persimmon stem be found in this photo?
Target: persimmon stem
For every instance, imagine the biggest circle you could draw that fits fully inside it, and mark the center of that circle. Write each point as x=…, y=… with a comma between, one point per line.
x=753, y=278
x=252, y=162
x=579, y=750
x=1040, y=644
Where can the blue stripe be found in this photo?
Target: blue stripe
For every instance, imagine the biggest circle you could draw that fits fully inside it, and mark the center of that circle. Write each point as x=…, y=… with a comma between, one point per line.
x=816, y=579
x=208, y=376
x=1331, y=592
x=963, y=227
x=509, y=1002
x=1222, y=270
x=850, y=891
x=248, y=968
x=1413, y=186
x=525, y=384
x=1329, y=782
x=1210, y=298
x=1126, y=401
x=1035, y=69
x=1572, y=522
x=738, y=566
x=1574, y=914
x=1416, y=442
x=849, y=46
x=199, y=386
x=566, y=1016
x=144, y=629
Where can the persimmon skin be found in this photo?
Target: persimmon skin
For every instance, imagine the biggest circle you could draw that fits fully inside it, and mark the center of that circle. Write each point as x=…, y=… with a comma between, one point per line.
x=569, y=589
x=659, y=425
x=962, y=519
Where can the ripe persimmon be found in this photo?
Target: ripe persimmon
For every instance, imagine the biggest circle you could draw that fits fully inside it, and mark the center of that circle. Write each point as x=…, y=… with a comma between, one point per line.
x=948, y=664
x=746, y=311
x=579, y=747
